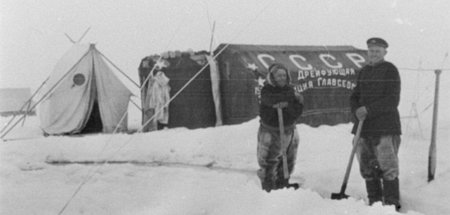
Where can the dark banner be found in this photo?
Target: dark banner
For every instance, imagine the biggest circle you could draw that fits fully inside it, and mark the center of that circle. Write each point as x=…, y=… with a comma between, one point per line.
x=324, y=75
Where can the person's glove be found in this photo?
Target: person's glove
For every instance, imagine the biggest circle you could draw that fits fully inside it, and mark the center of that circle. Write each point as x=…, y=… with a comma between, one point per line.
x=299, y=97
x=361, y=113
x=280, y=105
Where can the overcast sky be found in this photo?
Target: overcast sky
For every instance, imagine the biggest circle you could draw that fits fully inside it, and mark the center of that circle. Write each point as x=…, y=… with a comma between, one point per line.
x=32, y=32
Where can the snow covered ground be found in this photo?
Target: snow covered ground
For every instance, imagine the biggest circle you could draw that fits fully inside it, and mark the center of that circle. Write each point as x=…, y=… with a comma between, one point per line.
x=211, y=170
x=203, y=171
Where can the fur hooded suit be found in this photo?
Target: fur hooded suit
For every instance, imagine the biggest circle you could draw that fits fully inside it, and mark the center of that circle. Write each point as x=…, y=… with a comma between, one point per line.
x=269, y=151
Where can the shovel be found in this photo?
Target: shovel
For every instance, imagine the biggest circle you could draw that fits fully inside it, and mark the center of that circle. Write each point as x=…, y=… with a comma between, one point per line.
x=283, y=143
x=341, y=194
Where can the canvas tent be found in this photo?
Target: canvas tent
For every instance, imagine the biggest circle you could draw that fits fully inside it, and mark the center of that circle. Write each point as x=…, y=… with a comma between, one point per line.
x=325, y=75
x=83, y=95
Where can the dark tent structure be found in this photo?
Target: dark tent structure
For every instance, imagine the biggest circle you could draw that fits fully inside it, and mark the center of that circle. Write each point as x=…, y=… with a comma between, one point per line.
x=324, y=75
x=194, y=106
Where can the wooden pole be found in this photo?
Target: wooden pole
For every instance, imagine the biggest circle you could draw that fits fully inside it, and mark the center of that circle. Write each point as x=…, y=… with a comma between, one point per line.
x=283, y=143
x=70, y=39
x=84, y=34
x=212, y=38
x=136, y=105
x=27, y=110
x=432, y=150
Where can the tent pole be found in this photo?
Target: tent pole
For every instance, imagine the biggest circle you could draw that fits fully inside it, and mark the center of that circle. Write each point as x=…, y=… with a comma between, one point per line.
x=70, y=39
x=45, y=95
x=137, y=85
x=28, y=101
x=120, y=122
x=84, y=34
x=212, y=37
x=136, y=105
x=432, y=149
x=24, y=119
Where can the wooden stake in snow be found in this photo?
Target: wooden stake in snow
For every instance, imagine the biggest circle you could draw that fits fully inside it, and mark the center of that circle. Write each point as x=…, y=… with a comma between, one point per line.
x=432, y=150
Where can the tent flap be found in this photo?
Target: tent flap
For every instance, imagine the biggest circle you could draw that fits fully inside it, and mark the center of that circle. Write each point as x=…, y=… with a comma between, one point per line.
x=113, y=97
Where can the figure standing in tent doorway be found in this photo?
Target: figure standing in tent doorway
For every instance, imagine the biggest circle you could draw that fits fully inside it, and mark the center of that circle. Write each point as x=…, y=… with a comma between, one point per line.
x=277, y=93
x=157, y=99
x=375, y=100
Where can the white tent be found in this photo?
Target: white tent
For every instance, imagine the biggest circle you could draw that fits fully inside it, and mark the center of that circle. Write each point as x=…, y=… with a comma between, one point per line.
x=83, y=92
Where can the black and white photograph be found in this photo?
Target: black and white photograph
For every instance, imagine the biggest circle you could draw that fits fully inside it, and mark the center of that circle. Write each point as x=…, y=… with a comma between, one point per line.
x=220, y=107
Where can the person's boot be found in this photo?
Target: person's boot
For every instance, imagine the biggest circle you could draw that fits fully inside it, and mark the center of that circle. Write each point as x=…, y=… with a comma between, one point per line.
x=282, y=183
x=374, y=190
x=391, y=193
x=268, y=185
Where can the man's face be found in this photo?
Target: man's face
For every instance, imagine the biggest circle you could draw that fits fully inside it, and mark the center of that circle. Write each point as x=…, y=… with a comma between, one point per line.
x=376, y=53
x=280, y=77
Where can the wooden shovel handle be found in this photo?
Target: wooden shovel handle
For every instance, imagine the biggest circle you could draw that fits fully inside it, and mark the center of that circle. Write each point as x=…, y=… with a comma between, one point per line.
x=283, y=143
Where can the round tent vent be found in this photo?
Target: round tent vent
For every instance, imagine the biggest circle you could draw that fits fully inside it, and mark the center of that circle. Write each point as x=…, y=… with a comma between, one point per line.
x=79, y=79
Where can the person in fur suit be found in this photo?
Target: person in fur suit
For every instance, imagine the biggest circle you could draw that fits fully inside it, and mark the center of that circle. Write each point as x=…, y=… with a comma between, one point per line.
x=277, y=93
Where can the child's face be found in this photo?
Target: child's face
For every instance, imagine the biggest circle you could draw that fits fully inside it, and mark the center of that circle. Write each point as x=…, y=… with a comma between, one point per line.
x=280, y=77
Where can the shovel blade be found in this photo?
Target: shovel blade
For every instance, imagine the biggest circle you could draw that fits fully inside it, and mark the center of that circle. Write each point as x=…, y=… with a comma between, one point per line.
x=339, y=196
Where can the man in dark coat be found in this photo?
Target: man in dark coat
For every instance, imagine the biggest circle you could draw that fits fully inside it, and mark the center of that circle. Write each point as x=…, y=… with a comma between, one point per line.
x=277, y=93
x=375, y=100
